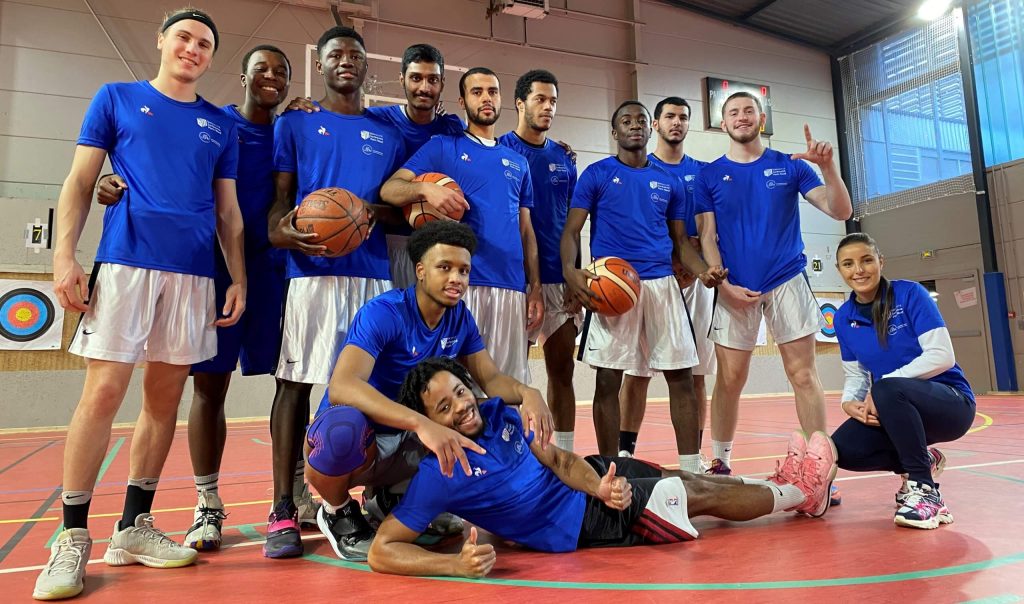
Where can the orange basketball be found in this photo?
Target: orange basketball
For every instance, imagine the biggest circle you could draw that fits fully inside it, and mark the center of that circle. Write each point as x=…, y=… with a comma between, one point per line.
x=618, y=287
x=419, y=213
x=340, y=220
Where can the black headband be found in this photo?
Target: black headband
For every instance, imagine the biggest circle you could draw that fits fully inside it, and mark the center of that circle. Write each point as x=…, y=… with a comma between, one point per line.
x=195, y=16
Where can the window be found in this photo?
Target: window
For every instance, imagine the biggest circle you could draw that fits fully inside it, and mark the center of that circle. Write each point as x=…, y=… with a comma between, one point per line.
x=996, y=28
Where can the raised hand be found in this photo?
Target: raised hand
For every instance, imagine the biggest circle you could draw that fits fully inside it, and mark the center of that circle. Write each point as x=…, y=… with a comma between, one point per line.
x=449, y=446
x=475, y=561
x=537, y=417
x=615, y=491
x=818, y=152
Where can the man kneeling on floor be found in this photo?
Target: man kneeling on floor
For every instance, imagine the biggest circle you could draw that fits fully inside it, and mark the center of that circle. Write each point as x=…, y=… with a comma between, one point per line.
x=554, y=501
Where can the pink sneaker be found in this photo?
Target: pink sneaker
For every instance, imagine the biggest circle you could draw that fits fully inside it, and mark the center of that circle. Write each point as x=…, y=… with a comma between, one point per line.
x=788, y=470
x=817, y=472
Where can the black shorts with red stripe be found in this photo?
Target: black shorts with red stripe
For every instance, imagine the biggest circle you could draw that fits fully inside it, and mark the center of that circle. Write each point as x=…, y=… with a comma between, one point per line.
x=636, y=525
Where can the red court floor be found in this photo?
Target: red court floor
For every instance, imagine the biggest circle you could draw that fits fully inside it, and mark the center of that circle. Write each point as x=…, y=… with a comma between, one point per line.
x=855, y=553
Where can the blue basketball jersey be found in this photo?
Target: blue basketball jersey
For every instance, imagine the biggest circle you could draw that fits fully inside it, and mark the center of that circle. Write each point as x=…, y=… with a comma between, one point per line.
x=554, y=178
x=757, y=213
x=496, y=182
x=390, y=328
x=169, y=153
x=686, y=171
x=913, y=314
x=415, y=135
x=510, y=493
x=629, y=213
x=255, y=183
x=354, y=152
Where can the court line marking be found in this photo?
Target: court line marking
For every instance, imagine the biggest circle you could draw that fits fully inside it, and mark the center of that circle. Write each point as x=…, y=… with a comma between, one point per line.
x=26, y=456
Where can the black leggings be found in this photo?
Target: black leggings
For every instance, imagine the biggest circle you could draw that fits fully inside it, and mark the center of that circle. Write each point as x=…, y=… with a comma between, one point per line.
x=913, y=414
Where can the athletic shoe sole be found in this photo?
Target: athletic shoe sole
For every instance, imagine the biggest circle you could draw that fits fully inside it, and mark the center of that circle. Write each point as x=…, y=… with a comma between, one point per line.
x=204, y=545
x=58, y=594
x=122, y=557
x=931, y=523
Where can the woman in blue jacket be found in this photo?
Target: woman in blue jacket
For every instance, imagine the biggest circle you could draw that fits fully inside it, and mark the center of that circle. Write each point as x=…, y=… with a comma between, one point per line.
x=904, y=390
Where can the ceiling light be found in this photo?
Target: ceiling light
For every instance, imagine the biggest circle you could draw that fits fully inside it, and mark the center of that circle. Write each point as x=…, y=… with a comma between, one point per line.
x=933, y=9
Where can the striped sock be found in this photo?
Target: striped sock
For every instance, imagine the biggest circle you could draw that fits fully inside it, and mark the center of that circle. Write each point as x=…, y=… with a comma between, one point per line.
x=207, y=483
x=690, y=463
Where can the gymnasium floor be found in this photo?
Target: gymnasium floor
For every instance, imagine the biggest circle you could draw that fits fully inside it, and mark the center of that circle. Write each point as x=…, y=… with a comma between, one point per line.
x=853, y=554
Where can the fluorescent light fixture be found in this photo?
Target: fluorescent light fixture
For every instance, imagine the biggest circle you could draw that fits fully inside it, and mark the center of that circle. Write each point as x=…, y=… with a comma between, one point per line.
x=931, y=10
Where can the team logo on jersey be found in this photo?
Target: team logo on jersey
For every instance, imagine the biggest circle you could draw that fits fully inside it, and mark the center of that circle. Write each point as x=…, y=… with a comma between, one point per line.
x=518, y=446
x=478, y=471
x=771, y=184
x=145, y=109
x=507, y=432
x=413, y=351
x=617, y=180
x=509, y=175
x=465, y=157
x=322, y=131
x=660, y=186
x=552, y=167
x=446, y=342
x=689, y=177
x=366, y=135
x=205, y=123
x=727, y=178
x=369, y=150
x=206, y=138
x=508, y=163
x=774, y=171
x=672, y=501
x=658, y=198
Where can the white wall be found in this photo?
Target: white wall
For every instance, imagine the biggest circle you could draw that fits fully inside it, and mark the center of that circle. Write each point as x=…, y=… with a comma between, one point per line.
x=54, y=56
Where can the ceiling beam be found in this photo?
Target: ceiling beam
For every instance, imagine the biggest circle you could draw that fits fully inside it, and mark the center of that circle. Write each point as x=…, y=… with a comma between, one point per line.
x=753, y=11
x=707, y=12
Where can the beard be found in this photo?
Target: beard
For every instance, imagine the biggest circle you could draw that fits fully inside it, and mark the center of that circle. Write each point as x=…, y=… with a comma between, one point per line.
x=476, y=118
x=743, y=138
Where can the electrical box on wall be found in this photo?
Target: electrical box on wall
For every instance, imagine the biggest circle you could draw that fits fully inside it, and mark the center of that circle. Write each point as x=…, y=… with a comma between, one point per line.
x=528, y=9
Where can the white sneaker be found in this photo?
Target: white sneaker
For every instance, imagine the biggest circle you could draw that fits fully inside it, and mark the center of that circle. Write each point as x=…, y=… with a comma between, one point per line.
x=147, y=545
x=625, y=453
x=64, y=574
x=205, y=533
x=307, y=507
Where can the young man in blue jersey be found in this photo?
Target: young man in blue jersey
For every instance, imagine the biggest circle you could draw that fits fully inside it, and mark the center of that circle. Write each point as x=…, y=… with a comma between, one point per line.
x=254, y=340
x=637, y=212
x=389, y=336
x=553, y=173
x=338, y=146
x=506, y=296
x=151, y=294
x=747, y=206
x=672, y=124
x=551, y=500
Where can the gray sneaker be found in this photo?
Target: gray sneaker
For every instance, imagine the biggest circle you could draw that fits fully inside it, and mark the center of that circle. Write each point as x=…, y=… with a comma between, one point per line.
x=147, y=545
x=64, y=574
x=308, y=508
x=349, y=534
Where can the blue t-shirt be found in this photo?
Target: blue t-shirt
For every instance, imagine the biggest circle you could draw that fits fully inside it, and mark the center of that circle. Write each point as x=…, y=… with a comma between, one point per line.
x=510, y=493
x=554, y=178
x=913, y=313
x=496, y=182
x=629, y=213
x=415, y=135
x=390, y=329
x=686, y=171
x=255, y=183
x=758, y=216
x=169, y=153
x=354, y=152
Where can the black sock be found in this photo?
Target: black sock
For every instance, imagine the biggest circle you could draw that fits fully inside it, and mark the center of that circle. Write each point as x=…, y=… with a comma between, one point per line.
x=76, y=508
x=137, y=500
x=627, y=441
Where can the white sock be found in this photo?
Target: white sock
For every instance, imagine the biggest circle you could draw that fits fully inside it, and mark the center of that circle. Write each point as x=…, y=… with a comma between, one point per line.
x=333, y=509
x=690, y=463
x=786, y=497
x=755, y=481
x=564, y=440
x=206, y=483
x=721, y=449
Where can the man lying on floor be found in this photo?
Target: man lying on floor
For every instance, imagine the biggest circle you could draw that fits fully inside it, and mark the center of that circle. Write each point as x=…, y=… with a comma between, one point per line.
x=554, y=501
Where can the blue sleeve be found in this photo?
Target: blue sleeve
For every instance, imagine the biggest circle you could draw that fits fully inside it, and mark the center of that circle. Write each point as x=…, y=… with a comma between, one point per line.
x=472, y=343
x=921, y=310
x=678, y=204
x=375, y=326
x=227, y=164
x=702, y=200
x=453, y=125
x=806, y=177
x=98, y=127
x=424, y=160
x=586, y=192
x=426, y=497
x=526, y=187
x=572, y=180
x=284, y=146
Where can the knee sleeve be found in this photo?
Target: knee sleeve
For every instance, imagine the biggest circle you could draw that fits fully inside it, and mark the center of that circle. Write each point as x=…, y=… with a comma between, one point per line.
x=338, y=440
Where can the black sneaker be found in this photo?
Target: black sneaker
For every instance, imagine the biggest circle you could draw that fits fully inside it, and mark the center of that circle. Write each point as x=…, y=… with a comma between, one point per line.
x=283, y=540
x=347, y=531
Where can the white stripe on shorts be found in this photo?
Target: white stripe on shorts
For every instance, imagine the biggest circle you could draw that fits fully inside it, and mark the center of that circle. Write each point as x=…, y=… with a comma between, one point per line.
x=317, y=314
